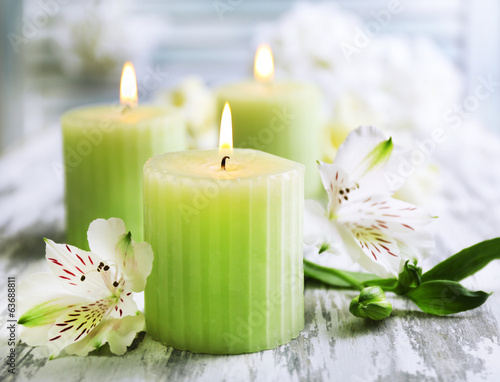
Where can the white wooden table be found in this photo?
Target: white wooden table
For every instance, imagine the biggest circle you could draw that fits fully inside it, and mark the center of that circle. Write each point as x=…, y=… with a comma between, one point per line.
x=334, y=346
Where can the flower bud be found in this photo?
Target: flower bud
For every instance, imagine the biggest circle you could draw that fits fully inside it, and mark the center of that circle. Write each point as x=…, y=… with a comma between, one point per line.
x=409, y=278
x=371, y=303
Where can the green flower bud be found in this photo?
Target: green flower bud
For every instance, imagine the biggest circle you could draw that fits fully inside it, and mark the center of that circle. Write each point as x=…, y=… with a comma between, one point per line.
x=371, y=303
x=408, y=279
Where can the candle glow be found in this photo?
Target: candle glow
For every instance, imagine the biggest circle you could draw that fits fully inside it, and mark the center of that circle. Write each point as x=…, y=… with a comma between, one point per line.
x=226, y=131
x=264, y=64
x=128, y=85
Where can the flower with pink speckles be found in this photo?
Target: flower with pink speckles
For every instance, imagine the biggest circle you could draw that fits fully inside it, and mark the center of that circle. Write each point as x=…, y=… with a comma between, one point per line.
x=363, y=220
x=87, y=300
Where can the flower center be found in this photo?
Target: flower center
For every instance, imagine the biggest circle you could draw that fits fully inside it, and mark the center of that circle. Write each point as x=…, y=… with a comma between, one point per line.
x=110, y=275
x=343, y=192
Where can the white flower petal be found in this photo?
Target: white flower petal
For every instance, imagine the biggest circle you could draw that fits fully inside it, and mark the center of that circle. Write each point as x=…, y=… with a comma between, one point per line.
x=389, y=232
x=75, y=324
x=139, y=300
x=124, y=331
x=31, y=293
x=143, y=264
x=35, y=336
x=136, y=260
x=357, y=146
x=119, y=333
x=388, y=214
x=103, y=236
x=125, y=306
x=317, y=226
x=337, y=185
x=92, y=341
x=380, y=252
x=348, y=245
x=383, y=179
x=331, y=260
x=39, y=307
x=75, y=269
x=37, y=318
x=326, y=235
x=416, y=246
x=110, y=240
x=369, y=157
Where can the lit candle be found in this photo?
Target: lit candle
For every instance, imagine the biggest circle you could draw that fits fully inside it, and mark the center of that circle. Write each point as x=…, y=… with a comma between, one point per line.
x=281, y=118
x=105, y=148
x=226, y=230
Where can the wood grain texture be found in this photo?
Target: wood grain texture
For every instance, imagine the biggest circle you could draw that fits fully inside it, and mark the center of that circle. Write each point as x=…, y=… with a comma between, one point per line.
x=334, y=346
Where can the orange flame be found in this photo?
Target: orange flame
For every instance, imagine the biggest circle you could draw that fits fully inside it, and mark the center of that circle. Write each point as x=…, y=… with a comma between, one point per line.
x=128, y=85
x=264, y=64
x=226, y=131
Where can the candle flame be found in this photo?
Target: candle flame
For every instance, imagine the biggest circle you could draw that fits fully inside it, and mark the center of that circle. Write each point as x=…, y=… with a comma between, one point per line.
x=128, y=85
x=264, y=64
x=226, y=131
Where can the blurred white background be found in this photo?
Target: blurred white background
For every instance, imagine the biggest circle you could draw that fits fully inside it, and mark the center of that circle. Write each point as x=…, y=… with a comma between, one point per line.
x=58, y=54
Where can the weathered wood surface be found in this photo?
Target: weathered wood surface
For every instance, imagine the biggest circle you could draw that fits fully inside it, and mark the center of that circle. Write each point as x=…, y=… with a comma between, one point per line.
x=334, y=346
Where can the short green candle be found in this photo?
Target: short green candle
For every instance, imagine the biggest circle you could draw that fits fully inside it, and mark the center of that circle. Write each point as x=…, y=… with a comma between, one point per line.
x=281, y=118
x=227, y=276
x=105, y=148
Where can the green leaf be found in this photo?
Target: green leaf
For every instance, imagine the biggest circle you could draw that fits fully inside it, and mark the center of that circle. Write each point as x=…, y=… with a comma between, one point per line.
x=338, y=278
x=466, y=262
x=443, y=297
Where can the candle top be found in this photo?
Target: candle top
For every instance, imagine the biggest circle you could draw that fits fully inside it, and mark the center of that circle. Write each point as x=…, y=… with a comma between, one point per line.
x=243, y=163
x=119, y=114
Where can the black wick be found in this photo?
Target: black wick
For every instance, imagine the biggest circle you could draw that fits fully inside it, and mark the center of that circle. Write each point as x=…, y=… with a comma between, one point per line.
x=126, y=108
x=223, y=163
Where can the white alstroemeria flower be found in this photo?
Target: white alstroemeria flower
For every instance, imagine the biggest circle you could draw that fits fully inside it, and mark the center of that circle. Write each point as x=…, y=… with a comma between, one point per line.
x=87, y=299
x=363, y=221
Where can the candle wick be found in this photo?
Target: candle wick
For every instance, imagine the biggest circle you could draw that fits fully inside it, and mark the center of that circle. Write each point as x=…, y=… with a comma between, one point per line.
x=126, y=108
x=223, y=163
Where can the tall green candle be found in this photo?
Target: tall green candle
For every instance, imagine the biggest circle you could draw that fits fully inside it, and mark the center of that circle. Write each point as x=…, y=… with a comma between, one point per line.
x=227, y=276
x=281, y=118
x=105, y=148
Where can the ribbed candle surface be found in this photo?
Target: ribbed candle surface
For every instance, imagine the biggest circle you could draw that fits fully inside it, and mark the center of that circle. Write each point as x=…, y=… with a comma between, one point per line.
x=105, y=148
x=227, y=276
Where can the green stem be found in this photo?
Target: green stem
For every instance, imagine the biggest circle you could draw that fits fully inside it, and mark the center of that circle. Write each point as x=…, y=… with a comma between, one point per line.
x=388, y=285
x=316, y=271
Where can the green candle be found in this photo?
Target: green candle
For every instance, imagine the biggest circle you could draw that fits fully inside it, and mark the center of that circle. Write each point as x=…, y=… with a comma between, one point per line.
x=227, y=236
x=281, y=118
x=105, y=148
